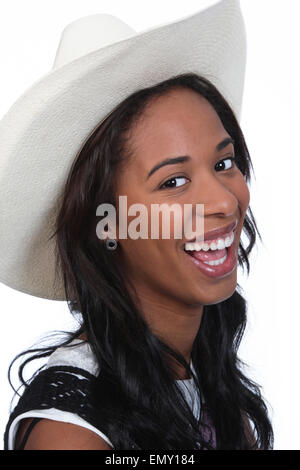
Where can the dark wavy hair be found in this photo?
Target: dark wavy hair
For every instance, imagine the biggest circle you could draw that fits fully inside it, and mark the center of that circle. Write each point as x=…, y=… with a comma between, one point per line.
x=140, y=401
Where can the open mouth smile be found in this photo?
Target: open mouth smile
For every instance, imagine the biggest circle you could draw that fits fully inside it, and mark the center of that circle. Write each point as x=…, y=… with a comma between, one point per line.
x=215, y=258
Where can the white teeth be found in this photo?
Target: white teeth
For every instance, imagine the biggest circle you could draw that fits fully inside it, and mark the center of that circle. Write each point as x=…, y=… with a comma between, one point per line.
x=218, y=244
x=227, y=241
x=189, y=246
x=221, y=244
x=205, y=247
x=217, y=261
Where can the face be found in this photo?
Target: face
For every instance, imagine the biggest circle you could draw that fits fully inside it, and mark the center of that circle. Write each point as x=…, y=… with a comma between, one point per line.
x=182, y=123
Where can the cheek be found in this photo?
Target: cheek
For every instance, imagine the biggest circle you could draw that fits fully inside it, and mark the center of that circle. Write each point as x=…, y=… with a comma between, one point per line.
x=241, y=191
x=147, y=262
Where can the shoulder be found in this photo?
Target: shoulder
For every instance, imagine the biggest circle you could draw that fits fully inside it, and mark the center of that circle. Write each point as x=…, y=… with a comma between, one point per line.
x=77, y=354
x=67, y=382
x=48, y=434
x=63, y=392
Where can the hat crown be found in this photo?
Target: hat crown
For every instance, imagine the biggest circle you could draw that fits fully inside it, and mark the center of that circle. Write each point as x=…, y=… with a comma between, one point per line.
x=89, y=33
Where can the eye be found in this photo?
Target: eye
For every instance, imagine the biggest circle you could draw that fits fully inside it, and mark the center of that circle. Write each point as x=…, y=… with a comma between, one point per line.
x=171, y=183
x=232, y=158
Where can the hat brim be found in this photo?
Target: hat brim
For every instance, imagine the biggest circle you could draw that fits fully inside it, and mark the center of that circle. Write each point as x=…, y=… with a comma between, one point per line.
x=42, y=132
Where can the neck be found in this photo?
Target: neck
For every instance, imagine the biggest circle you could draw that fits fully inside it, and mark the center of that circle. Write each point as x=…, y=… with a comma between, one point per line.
x=176, y=325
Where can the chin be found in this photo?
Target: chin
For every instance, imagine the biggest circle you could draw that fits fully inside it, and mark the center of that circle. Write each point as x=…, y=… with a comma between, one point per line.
x=217, y=293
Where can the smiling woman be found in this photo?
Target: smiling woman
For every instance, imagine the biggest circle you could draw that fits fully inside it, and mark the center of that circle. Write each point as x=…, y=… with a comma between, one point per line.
x=183, y=119
x=153, y=316
x=153, y=363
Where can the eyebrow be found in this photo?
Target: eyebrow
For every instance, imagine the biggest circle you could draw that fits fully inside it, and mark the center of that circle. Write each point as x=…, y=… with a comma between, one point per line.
x=186, y=158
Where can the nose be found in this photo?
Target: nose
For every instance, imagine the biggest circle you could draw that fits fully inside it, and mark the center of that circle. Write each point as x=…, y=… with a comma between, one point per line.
x=217, y=198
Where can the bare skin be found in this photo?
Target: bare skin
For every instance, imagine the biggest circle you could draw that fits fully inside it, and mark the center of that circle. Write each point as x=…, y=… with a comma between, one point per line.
x=171, y=290
x=49, y=434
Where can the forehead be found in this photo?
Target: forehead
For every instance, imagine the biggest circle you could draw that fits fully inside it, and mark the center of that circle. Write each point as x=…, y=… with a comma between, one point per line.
x=174, y=123
x=182, y=122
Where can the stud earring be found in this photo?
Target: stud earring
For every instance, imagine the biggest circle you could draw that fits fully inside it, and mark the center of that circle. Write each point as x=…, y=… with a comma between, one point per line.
x=111, y=244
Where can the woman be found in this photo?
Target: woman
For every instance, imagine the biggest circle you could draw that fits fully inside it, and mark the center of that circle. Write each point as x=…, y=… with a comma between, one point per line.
x=153, y=364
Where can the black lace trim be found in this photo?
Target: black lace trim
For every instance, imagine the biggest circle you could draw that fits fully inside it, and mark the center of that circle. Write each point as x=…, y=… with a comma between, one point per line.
x=57, y=387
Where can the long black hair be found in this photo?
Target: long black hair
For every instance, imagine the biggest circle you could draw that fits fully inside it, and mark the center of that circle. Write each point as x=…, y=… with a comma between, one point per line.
x=140, y=401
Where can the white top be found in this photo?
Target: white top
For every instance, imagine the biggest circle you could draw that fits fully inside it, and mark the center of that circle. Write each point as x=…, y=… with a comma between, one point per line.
x=82, y=357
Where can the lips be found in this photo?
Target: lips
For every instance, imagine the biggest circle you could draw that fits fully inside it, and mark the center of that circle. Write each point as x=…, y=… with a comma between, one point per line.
x=217, y=271
x=214, y=234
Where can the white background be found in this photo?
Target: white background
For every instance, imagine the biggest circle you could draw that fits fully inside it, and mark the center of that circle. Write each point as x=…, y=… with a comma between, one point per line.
x=29, y=36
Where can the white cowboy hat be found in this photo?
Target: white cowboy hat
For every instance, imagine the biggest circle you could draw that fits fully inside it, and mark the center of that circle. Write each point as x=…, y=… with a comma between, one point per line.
x=41, y=134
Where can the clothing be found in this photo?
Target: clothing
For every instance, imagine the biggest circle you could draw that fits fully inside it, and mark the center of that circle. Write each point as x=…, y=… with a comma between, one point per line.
x=67, y=374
